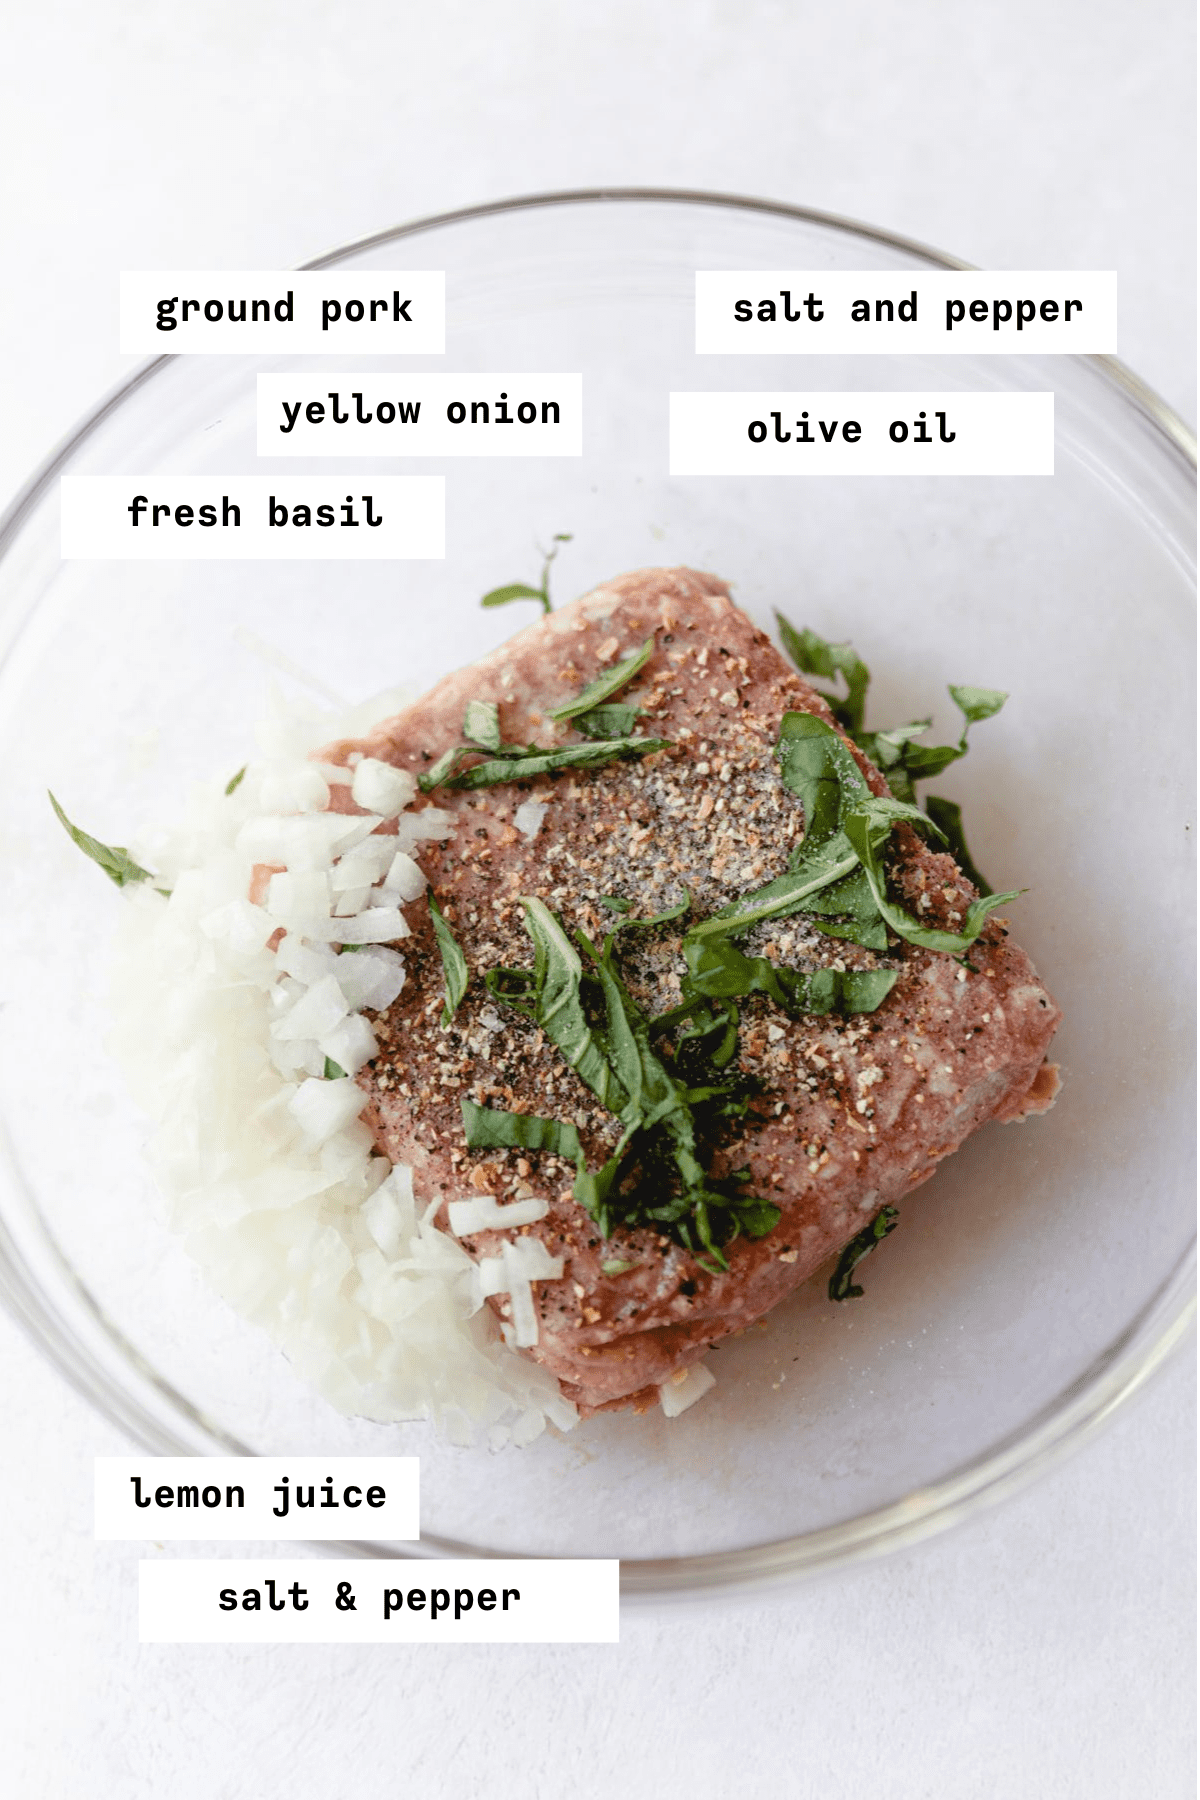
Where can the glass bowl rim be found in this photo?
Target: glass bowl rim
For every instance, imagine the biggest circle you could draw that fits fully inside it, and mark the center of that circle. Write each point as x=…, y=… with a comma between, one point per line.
x=1007, y=1466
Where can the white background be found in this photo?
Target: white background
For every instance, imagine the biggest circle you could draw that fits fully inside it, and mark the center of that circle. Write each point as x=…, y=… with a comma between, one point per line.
x=1045, y=1650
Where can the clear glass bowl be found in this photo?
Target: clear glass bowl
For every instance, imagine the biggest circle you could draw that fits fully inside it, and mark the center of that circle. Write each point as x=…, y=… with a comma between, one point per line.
x=1045, y=1272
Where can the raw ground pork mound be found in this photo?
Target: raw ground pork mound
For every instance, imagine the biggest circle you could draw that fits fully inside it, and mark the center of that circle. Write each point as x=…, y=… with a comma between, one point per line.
x=853, y=1112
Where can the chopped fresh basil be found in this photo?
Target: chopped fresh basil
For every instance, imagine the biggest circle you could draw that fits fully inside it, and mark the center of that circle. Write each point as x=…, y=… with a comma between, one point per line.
x=235, y=781
x=558, y=1005
x=846, y=909
x=895, y=752
x=488, y=1128
x=840, y=1285
x=717, y=970
x=818, y=768
x=609, y=729
x=515, y=987
x=454, y=963
x=838, y=868
x=481, y=724
x=625, y=907
x=114, y=859
x=947, y=816
x=520, y=590
x=901, y=760
x=813, y=656
x=703, y=1022
x=868, y=830
x=516, y=590
x=443, y=768
x=333, y=1071
x=534, y=761
x=785, y=895
x=605, y=686
x=589, y=1015
x=822, y=879
x=904, y=762
x=976, y=703
x=661, y=1120
x=521, y=762
x=617, y=720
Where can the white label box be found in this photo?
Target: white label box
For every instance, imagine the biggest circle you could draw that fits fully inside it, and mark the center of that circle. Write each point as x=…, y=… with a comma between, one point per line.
x=248, y=1497
x=861, y=434
x=185, y=518
x=214, y=312
x=490, y=1601
x=420, y=415
x=769, y=312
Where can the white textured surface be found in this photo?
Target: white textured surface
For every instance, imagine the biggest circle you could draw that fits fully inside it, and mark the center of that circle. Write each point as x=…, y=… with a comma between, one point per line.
x=1045, y=1650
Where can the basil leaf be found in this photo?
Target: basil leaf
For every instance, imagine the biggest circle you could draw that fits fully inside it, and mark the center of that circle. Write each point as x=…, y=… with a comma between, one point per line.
x=835, y=875
x=812, y=655
x=488, y=1128
x=719, y=971
x=615, y=1267
x=840, y=1285
x=868, y=831
x=516, y=590
x=976, y=703
x=547, y=762
x=593, y=1189
x=515, y=987
x=520, y=590
x=454, y=963
x=617, y=720
x=606, y=685
x=659, y=1102
x=892, y=751
x=653, y=1094
x=817, y=767
x=235, y=781
x=333, y=1071
x=887, y=748
x=787, y=894
x=114, y=859
x=704, y=1023
x=719, y=1217
x=920, y=762
x=756, y=1217
x=481, y=723
x=947, y=816
x=558, y=1006
x=904, y=762
x=625, y=908
x=726, y=1050
x=846, y=909
x=445, y=766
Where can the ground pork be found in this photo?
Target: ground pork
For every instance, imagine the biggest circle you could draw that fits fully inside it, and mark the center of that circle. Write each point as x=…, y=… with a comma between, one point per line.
x=852, y=1113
